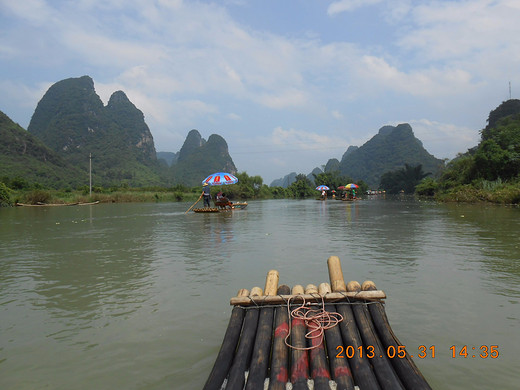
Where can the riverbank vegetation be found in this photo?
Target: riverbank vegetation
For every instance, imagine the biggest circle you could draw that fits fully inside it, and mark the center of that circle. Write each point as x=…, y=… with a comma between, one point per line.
x=489, y=172
x=18, y=190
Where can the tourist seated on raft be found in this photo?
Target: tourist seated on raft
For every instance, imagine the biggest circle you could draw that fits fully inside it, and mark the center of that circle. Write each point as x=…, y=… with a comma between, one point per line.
x=222, y=202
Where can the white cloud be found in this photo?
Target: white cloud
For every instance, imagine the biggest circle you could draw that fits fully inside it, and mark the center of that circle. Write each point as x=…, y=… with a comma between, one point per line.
x=336, y=114
x=461, y=30
x=349, y=5
x=444, y=140
x=304, y=140
x=36, y=12
x=283, y=99
x=20, y=99
x=431, y=82
x=234, y=116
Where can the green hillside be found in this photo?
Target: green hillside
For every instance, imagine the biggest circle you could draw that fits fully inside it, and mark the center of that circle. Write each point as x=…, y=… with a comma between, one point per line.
x=488, y=172
x=25, y=157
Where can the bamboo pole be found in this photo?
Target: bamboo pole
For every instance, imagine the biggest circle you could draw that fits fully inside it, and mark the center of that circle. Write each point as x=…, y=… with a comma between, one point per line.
x=330, y=297
x=361, y=369
x=339, y=367
x=406, y=369
x=337, y=282
x=299, y=358
x=242, y=357
x=228, y=347
x=280, y=356
x=194, y=203
x=383, y=369
x=262, y=348
x=271, y=282
x=256, y=292
x=319, y=367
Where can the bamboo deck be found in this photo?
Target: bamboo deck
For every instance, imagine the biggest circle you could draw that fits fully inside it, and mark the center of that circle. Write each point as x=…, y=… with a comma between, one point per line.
x=360, y=352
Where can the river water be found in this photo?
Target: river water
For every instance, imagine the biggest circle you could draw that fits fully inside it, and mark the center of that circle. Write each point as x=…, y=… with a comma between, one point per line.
x=136, y=296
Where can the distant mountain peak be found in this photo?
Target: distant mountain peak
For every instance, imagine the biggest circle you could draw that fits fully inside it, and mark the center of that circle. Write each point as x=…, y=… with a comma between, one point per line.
x=401, y=128
x=385, y=130
x=72, y=120
x=118, y=97
x=391, y=148
x=192, y=143
x=350, y=149
x=218, y=142
x=199, y=158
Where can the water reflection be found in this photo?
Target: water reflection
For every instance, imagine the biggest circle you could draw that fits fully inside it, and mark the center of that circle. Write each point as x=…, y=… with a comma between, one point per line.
x=82, y=265
x=497, y=230
x=388, y=232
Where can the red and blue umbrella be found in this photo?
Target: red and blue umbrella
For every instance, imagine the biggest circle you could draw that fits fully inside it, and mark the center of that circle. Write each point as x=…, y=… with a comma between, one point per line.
x=322, y=187
x=220, y=178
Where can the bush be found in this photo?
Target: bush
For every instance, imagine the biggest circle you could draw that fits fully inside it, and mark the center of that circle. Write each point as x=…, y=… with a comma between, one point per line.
x=5, y=195
x=427, y=187
x=19, y=183
x=38, y=196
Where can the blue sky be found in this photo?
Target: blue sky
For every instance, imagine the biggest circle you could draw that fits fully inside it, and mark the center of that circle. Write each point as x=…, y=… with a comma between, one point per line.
x=288, y=84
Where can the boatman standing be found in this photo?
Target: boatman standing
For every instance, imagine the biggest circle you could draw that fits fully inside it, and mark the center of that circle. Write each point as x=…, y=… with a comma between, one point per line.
x=206, y=193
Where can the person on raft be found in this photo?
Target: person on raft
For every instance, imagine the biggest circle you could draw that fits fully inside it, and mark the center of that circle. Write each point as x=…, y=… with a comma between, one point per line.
x=206, y=194
x=222, y=201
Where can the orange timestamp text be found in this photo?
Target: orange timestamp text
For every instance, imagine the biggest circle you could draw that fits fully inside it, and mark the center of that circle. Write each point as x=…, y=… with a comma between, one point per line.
x=423, y=351
x=480, y=351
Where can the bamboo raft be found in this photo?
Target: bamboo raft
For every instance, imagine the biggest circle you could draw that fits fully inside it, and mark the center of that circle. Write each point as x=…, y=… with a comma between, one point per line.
x=41, y=204
x=359, y=352
x=234, y=206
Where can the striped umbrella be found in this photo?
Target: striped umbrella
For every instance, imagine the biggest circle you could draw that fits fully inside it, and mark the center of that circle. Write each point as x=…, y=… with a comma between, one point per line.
x=220, y=178
x=322, y=187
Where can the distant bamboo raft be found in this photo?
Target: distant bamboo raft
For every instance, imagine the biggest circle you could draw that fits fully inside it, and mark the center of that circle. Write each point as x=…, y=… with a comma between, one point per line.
x=359, y=352
x=233, y=206
x=40, y=204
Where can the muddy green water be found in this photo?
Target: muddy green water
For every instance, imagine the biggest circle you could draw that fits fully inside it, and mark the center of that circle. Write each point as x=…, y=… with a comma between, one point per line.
x=135, y=296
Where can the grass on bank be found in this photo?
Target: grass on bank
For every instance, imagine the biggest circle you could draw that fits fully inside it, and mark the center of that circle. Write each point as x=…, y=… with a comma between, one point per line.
x=470, y=194
x=497, y=191
x=118, y=196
